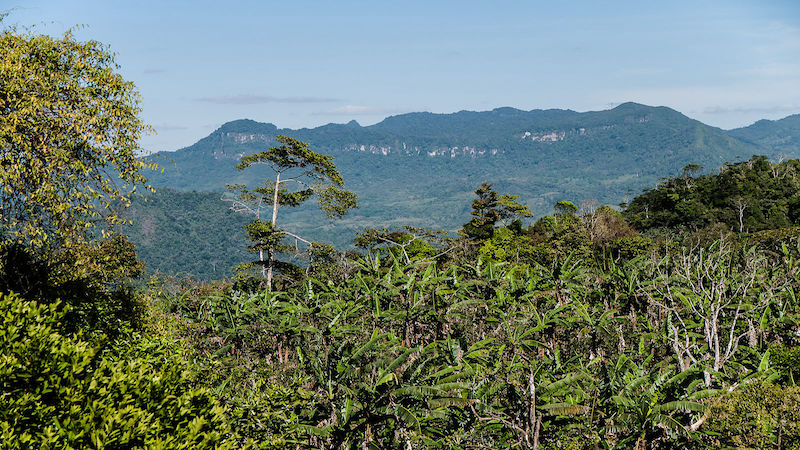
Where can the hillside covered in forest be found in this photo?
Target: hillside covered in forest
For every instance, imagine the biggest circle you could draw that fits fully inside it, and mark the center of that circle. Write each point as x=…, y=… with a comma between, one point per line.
x=420, y=169
x=542, y=154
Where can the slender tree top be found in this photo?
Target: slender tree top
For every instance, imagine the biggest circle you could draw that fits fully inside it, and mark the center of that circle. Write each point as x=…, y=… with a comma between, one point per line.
x=295, y=154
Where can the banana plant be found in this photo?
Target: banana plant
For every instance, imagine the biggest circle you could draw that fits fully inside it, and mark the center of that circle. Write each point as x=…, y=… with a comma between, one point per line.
x=521, y=391
x=650, y=406
x=383, y=394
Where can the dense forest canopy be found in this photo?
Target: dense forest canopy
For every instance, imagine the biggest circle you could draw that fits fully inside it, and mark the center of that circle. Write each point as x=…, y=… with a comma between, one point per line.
x=77, y=369
x=671, y=324
x=751, y=196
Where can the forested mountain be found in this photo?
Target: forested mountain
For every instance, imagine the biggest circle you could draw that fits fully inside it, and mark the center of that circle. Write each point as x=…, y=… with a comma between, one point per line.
x=421, y=168
x=780, y=137
x=188, y=233
x=541, y=154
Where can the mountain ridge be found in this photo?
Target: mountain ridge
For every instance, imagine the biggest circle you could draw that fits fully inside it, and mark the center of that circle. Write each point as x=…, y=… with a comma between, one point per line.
x=460, y=127
x=390, y=123
x=781, y=135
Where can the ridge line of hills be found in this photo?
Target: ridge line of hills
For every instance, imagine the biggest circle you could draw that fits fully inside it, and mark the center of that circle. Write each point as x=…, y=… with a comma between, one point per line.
x=431, y=124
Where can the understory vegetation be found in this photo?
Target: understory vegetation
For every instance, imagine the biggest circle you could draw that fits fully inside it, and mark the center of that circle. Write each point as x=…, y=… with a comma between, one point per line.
x=575, y=332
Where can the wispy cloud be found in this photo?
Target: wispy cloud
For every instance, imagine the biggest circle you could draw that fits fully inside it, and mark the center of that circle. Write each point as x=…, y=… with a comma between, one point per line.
x=258, y=99
x=151, y=70
x=360, y=110
x=751, y=109
x=169, y=127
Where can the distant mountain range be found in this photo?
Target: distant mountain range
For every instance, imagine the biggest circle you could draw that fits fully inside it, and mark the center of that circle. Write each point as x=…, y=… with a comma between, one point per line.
x=421, y=168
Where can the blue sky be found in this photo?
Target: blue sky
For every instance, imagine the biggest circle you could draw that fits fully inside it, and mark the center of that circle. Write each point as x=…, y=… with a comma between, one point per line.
x=199, y=64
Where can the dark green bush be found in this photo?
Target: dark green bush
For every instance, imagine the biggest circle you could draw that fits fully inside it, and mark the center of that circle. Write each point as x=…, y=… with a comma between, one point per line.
x=58, y=391
x=759, y=415
x=92, y=284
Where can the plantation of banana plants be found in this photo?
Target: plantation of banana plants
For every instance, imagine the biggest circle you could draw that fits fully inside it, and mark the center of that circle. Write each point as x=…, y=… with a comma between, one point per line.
x=677, y=347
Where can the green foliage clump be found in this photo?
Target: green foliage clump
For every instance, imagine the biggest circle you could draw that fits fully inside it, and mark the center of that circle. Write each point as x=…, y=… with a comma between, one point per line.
x=505, y=245
x=57, y=390
x=559, y=235
x=407, y=243
x=786, y=360
x=631, y=247
x=95, y=284
x=759, y=415
x=69, y=125
x=273, y=414
x=774, y=240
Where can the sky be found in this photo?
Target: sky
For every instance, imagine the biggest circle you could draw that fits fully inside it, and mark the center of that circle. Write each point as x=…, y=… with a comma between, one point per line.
x=198, y=64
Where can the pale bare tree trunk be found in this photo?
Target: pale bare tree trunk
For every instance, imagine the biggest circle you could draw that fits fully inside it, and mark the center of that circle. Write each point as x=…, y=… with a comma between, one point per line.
x=533, y=421
x=275, y=199
x=774, y=167
x=271, y=252
x=590, y=218
x=263, y=268
x=741, y=205
x=260, y=251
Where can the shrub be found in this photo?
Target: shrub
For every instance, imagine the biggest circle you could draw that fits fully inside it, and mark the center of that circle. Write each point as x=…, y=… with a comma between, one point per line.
x=759, y=415
x=59, y=391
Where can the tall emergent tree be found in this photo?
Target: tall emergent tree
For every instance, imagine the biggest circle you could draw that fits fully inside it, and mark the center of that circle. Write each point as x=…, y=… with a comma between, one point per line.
x=308, y=173
x=488, y=209
x=69, y=129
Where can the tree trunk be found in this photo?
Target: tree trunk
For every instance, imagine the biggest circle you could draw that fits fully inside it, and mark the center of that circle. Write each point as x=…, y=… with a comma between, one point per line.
x=271, y=252
x=533, y=420
x=536, y=431
x=263, y=267
x=270, y=263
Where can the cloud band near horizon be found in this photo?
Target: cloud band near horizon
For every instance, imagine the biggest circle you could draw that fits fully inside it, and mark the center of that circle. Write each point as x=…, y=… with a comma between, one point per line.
x=258, y=99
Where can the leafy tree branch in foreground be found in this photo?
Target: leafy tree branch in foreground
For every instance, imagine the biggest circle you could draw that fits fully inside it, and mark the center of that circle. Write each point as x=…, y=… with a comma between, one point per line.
x=69, y=130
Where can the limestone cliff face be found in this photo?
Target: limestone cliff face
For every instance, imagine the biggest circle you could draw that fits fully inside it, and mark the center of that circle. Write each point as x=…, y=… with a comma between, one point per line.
x=245, y=138
x=416, y=150
x=231, y=144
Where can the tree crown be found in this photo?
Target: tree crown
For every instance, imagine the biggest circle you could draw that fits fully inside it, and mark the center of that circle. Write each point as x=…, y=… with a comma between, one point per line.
x=69, y=131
